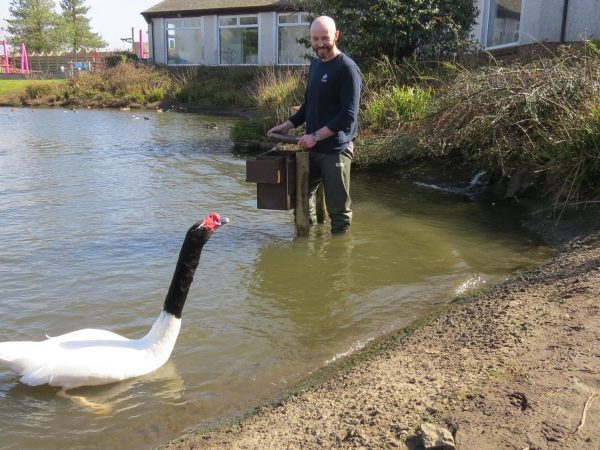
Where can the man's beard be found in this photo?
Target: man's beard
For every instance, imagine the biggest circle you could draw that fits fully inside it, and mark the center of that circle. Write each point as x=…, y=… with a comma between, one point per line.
x=325, y=50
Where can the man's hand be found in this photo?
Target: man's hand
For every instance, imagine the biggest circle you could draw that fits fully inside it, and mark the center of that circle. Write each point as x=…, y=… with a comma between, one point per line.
x=307, y=141
x=282, y=128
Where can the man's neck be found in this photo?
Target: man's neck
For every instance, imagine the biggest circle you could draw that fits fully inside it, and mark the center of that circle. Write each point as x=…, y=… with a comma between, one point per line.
x=334, y=54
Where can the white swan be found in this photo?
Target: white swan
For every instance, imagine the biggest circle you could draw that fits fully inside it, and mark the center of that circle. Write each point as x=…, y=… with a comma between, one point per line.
x=92, y=357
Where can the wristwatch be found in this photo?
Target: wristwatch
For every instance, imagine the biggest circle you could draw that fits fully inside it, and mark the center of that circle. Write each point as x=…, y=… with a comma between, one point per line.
x=316, y=137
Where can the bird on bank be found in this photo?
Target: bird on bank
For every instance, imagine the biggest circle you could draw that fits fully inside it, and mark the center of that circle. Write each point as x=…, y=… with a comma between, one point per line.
x=93, y=357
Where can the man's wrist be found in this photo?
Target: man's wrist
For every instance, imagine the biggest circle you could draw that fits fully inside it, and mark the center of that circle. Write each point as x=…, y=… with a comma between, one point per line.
x=316, y=137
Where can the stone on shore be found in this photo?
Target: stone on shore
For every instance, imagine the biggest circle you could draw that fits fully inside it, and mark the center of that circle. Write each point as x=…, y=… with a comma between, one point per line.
x=436, y=438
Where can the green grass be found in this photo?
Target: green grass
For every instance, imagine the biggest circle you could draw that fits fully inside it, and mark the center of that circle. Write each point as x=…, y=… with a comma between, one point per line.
x=390, y=107
x=12, y=86
x=277, y=90
x=138, y=85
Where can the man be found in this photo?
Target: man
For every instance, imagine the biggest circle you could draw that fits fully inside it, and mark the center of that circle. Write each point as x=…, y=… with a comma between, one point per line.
x=330, y=111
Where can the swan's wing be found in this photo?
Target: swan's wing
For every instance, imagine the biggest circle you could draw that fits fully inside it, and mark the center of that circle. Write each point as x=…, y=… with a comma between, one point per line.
x=82, y=363
x=90, y=356
x=40, y=362
x=22, y=356
x=11, y=352
x=87, y=334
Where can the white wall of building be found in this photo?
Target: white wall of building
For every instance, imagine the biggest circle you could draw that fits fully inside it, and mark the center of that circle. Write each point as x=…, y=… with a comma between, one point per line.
x=477, y=30
x=158, y=52
x=266, y=42
x=583, y=20
x=541, y=21
x=210, y=39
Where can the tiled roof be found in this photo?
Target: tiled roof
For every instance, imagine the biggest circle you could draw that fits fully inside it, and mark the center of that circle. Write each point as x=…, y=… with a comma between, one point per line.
x=213, y=5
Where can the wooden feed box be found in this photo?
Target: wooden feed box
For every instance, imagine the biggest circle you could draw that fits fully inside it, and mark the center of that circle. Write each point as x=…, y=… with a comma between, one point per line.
x=274, y=173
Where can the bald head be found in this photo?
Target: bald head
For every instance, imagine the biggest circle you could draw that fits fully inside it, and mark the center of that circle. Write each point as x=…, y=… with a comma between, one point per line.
x=323, y=24
x=323, y=37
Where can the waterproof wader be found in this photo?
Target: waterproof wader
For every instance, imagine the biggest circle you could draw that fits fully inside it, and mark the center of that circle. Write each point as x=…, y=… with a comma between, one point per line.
x=333, y=170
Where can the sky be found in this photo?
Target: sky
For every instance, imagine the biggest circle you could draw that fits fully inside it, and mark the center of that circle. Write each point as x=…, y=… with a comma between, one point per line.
x=111, y=19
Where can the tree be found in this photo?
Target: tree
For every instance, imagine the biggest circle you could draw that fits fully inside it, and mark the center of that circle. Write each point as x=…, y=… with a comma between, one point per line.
x=396, y=28
x=76, y=26
x=35, y=23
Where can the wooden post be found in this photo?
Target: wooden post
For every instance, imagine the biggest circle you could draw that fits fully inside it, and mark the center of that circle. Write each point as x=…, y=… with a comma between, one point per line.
x=321, y=209
x=301, y=211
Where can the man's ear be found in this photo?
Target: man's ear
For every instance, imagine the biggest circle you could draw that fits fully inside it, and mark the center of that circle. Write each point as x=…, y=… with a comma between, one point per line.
x=337, y=34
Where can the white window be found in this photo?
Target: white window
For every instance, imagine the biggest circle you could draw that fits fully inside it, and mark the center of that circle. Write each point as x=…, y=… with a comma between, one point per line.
x=290, y=28
x=504, y=22
x=184, y=38
x=238, y=40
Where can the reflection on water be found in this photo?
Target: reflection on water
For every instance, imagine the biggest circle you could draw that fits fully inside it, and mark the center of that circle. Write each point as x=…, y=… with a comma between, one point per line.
x=42, y=419
x=93, y=209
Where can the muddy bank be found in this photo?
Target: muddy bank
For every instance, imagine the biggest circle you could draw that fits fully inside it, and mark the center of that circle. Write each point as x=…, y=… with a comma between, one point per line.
x=517, y=367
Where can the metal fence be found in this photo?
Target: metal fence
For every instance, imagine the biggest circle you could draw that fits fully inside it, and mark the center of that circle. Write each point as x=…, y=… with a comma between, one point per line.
x=60, y=64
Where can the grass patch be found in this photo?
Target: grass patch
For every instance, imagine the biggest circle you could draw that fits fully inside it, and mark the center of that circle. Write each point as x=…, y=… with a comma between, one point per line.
x=135, y=85
x=276, y=91
x=127, y=84
x=212, y=88
x=388, y=108
x=19, y=86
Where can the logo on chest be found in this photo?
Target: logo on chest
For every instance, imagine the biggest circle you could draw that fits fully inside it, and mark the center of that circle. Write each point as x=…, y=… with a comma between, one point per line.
x=324, y=78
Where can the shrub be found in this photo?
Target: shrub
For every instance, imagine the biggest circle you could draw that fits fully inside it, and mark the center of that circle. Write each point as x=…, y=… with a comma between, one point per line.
x=540, y=117
x=37, y=90
x=121, y=85
x=276, y=91
x=247, y=130
x=396, y=104
x=115, y=60
x=155, y=94
x=375, y=28
x=212, y=88
x=133, y=98
x=571, y=162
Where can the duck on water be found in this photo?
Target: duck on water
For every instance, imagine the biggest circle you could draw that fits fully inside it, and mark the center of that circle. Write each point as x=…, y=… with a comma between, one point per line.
x=93, y=357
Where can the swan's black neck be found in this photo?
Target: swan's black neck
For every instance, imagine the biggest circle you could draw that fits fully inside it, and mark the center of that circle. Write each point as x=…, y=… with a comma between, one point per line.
x=189, y=256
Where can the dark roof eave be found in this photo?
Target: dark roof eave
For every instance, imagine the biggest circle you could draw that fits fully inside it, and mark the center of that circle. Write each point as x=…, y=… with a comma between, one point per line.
x=148, y=16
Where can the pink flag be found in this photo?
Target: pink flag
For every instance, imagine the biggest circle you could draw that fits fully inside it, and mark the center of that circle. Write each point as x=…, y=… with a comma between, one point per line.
x=24, y=59
x=6, y=63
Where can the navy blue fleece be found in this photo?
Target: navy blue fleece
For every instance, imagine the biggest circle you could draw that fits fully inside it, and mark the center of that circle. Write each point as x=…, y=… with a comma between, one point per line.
x=331, y=99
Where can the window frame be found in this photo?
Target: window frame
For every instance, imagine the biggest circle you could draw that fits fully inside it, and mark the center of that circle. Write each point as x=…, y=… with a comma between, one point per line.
x=303, y=19
x=490, y=26
x=168, y=39
x=238, y=25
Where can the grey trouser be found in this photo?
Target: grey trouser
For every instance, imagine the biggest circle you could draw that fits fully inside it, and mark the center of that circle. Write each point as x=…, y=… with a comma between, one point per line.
x=334, y=172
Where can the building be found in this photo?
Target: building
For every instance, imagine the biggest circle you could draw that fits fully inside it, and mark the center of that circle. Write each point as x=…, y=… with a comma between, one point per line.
x=265, y=32
x=226, y=32
x=511, y=23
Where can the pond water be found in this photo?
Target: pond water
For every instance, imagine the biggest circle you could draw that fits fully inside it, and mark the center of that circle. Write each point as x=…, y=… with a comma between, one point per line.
x=94, y=206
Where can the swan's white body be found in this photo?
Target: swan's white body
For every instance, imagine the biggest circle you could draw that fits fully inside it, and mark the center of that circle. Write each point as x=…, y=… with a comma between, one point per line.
x=91, y=357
